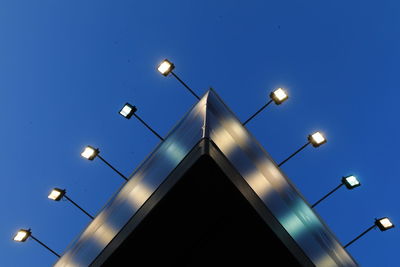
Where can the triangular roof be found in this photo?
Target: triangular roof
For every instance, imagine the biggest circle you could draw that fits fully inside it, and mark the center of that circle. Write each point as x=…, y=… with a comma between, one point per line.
x=210, y=130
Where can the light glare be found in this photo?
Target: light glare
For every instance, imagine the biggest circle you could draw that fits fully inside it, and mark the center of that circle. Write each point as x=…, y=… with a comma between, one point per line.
x=21, y=236
x=352, y=181
x=318, y=138
x=54, y=194
x=88, y=153
x=280, y=94
x=386, y=223
x=165, y=67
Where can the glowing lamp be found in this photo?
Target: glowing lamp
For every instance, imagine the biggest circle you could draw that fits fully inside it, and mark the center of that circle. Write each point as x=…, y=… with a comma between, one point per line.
x=384, y=224
x=165, y=67
x=22, y=235
x=351, y=182
x=90, y=153
x=317, y=139
x=56, y=194
x=127, y=110
x=279, y=96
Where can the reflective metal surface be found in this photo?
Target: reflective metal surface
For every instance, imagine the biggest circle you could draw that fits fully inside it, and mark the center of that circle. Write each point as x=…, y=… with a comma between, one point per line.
x=212, y=120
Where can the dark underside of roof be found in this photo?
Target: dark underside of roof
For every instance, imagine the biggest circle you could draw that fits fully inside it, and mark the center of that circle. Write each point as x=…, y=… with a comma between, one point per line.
x=203, y=220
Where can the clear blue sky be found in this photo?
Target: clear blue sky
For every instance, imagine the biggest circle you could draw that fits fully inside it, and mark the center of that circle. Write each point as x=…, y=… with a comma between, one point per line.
x=66, y=68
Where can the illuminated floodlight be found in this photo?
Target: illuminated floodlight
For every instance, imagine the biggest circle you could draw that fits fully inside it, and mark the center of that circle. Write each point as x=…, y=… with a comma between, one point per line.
x=56, y=194
x=165, y=67
x=22, y=235
x=127, y=110
x=351, y=182
x=317, y=139
x=90, y=153
x=279, y=96
x=384, y=224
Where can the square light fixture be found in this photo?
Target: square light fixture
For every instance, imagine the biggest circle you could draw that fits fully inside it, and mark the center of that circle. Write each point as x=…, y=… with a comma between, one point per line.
x=165, y=67
x=22, y=235
x=317, y=139
x=351, y=181
x=127, y=110
x=90, y=152
x=56, y=194
x=384, y=224
x=279, y=96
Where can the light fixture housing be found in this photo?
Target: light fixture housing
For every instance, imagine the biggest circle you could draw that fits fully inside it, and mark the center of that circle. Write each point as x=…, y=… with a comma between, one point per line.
x=351, y=181
x=56, y=194
x=127, y=111
x=279, y=96
x=384, y=224
x=317, y=139
x=22, y=235
x=165, y=67
x=90, y=153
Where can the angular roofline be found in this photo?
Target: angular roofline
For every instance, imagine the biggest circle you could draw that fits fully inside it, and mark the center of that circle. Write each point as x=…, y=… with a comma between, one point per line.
x=211, y=123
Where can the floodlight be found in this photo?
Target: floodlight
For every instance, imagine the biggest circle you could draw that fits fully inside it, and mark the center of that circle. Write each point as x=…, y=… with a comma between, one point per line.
x=279, y=96
x=317, y=139
x=384, y=224
x=351, y=182
x=90, y=153
x=165, y=67
x=56, y=194
x=22, y=235
x=127, y=110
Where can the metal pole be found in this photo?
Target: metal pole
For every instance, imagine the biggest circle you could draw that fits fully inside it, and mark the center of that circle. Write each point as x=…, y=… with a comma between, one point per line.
x=109, y=165
x=363, y=233
x=148, y=127
x=255, y=114
x=291, y=156
x=327, y=195
x=79, y=207
x=41, y=243
x=184, y=84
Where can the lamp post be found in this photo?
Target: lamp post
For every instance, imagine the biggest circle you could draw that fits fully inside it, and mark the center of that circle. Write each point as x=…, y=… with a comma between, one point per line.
x=57, y=194
x=23, y=234
x=316, y=139
x=129, y=110
x=350, y=182
x=166, y=67
x=91, y=153
x=383, y=224
x=278, y=96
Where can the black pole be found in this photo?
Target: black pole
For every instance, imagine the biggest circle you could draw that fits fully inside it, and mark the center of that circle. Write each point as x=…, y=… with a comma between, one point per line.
x=184, y=84
x=79, y=207
x=109, y=165
x=255, y=114
x=363, y=233
x=327, y=195
x=37, y=240
x=291, y=156
x=148, y=127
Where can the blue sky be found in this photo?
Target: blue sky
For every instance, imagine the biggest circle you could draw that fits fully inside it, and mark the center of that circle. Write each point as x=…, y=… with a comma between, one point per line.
x=67, y=67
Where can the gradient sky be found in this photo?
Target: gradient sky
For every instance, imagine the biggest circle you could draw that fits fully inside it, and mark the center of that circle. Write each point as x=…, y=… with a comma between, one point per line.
x=67, y=67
